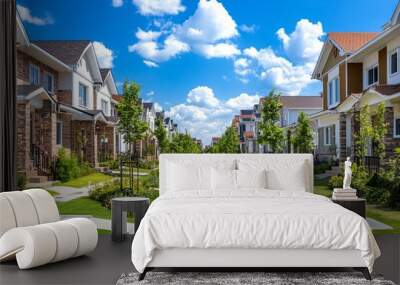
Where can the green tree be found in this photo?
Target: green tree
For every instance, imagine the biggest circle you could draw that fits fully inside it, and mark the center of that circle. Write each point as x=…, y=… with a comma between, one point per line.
x=271, y=132
x=131, y=125
x=379, y=132
x=229, y=142
x=161, y=133
x=365, y=134
x=184, y=143
x=303, y=139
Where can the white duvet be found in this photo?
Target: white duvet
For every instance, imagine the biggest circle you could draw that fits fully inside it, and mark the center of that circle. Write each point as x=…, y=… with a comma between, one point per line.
x=250, y=219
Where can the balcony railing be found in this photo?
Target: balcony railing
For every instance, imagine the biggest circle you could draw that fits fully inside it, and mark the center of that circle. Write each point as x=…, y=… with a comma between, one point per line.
x=42, y=161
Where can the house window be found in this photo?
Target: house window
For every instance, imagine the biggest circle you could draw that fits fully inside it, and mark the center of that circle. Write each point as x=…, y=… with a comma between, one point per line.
x=59, y=133
x=397, y=127
x=49, y=82
x=372, y=75
x=327, y=136
x=393, y=63
x=82, y=95
x=333, y=92
x=104, y=106
x=34, y=74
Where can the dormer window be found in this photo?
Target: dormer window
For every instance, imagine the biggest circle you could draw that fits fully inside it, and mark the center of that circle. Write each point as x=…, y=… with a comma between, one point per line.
x=372, y=75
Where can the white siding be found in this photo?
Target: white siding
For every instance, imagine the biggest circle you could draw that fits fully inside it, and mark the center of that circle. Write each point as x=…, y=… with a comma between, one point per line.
x=391, y=46
x=104, y=94
x=368, y=62
x=334, y=72
x=77, y=78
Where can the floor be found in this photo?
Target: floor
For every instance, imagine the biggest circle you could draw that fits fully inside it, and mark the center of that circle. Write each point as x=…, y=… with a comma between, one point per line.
x=110, y=260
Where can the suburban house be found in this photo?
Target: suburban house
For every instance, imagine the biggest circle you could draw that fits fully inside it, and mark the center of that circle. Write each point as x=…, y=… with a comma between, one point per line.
x=358, y=69
x=247, y=123
x=63, y=101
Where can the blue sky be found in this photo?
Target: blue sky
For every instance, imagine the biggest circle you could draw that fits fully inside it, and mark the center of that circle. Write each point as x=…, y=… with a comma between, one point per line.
x=203, y=60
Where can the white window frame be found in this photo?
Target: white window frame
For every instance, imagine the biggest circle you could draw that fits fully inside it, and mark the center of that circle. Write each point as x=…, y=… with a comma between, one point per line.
x=367, y=75
x=34, y=66
x=333, y=102
x=396, y=117
x=61, y=132
x=327, y=135
x=105, y=102
x=396, y=50
x=52, y=82
x=86, y=95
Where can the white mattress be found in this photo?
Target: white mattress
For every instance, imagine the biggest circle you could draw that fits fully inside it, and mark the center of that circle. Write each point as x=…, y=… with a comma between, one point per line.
x=252, y=219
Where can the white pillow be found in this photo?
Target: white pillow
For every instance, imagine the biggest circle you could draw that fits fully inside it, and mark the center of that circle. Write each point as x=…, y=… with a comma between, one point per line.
x=251, y=178
x=183, y=177
x=293, y=178
x=223, y=179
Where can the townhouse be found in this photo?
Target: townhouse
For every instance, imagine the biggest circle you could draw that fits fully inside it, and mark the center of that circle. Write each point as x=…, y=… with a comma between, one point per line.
x=358, y=69
x=64, y=100
x=248, y=122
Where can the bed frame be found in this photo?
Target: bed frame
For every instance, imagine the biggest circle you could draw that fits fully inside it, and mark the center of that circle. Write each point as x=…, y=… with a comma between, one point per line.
x=249, y=259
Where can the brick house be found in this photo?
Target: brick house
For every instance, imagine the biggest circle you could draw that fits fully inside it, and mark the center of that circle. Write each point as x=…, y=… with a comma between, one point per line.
x=358, y=69
x=63, y=101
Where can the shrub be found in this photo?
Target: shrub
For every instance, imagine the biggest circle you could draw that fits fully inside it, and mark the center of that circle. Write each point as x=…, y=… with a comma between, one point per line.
x=321, y=167
x=67, y=166
x=21, y=181
x=111, y=164
x=148, y=164
x=335, y=182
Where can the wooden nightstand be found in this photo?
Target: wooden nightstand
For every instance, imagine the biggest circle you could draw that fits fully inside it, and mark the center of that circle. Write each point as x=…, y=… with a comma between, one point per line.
x=355, y=205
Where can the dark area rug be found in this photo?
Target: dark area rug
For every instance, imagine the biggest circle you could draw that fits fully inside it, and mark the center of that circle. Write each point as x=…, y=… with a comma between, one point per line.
x=228, y=278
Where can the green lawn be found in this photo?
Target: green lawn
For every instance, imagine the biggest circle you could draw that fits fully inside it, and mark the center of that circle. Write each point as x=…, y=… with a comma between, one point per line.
x=84, y=206
x=388, y=217
x=85, y=180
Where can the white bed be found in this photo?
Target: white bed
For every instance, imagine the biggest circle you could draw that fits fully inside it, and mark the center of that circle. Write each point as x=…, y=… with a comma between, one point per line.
x=247, y=211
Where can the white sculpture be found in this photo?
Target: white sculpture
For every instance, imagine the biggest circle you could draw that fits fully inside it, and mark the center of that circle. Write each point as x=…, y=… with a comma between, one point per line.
x=347, y=174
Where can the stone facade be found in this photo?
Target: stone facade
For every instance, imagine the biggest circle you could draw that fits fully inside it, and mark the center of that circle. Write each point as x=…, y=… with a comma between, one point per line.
x=105, y=141
x=342, y=137
x=391, y=143
x=64, y=96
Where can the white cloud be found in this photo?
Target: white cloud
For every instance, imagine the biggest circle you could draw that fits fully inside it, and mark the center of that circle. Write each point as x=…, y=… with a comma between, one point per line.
x=157, y=107
x=304, y=43
x=147, y=36
x=242, y=66
x=210, y=23
x=150, y=63
x=204, y=115
x=291, y=72
x=159, y=7
x=243, y=101
x=218, y=50
x=202, y=96
x=248, y=28
x=26, y=16
x=105, y=56
x=117, y=3
x=206, y=32
x=151, y=50
x=150, y=93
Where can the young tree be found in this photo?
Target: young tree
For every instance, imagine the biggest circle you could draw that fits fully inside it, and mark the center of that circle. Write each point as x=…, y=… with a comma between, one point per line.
x=303, y=139
x=365, y=134
x=229, y=142
x=130, y=124
x=184, y=143
x=161, y=135
x=379, y=132
x=271, y=132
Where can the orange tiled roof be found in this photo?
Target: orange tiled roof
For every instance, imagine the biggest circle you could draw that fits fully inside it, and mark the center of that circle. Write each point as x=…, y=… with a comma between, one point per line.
x=351, y=41
x=117, y=97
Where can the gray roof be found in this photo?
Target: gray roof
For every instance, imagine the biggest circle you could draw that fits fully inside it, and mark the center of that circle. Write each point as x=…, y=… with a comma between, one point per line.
x=27, y=89
x=148, y=105
x=104, y=72
x=68, y=51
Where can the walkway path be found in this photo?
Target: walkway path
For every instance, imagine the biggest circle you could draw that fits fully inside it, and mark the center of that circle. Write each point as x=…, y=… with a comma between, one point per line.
x=67, y=193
